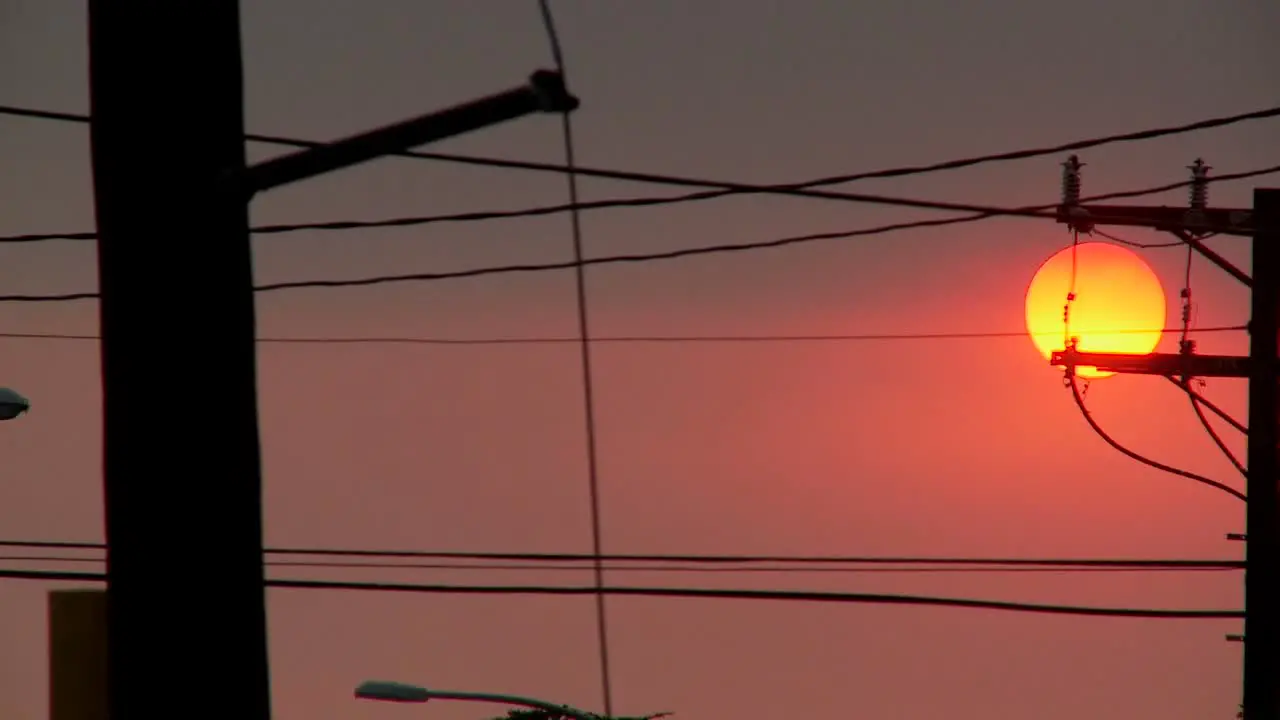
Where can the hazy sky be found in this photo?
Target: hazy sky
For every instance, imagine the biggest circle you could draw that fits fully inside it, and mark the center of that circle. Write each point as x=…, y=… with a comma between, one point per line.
x=924, y=447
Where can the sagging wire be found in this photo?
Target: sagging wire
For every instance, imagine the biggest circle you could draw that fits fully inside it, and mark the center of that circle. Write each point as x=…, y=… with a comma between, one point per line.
x=1072, y=383
x=1222, y=414
x=1071, y=191
x=1208, y=428
x=1198, y=201
x=1135, y=244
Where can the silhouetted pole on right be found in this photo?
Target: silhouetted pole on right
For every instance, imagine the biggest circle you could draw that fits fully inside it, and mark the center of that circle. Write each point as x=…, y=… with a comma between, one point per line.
x=1262, y=369
x=1262, y=534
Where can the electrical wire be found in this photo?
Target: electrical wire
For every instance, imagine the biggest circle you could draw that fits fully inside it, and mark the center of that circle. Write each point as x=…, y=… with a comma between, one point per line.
x=622, y=339
x=734, y=188
x=699, y=569
x=1186, y=348
x=588, y=386
x=919, y=204
x=1134, y=244
x=543, y=210
x=1213, y=435
x=1069, y=341
x=631, y=258
x=867, y=198
x=1084, y=411
x=606, y=260
x=1185, y=343
x=687, y=558
x=705, y=593
x=1222, y=414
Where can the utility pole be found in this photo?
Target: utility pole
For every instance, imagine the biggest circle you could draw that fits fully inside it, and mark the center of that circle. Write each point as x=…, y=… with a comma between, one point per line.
x=1262, y=548
x=186, y=622
x=182, y=482
x=1262, y=370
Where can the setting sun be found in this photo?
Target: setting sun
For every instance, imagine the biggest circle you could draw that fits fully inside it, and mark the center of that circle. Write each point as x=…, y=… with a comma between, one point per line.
x=1119, y=304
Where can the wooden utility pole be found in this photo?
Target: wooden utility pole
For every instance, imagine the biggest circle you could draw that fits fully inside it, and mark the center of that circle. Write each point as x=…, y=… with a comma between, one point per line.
x=1262, y=544
x=182, y=479
x=1261, y=368
x=182, y=484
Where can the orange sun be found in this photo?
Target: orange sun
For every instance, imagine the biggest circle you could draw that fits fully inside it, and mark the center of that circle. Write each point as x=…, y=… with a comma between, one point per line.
x=1119, y=305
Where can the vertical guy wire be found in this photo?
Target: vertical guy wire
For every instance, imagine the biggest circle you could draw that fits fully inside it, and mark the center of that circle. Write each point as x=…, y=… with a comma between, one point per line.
x=1186, y=301
x=584, y=333
x=1071, y=291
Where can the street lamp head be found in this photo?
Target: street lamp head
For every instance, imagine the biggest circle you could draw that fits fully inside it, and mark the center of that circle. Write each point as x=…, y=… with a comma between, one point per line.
x=12, y=404
x=392, y=692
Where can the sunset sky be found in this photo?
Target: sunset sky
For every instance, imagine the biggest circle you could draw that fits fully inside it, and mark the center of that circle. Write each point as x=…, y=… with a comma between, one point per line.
x=922, y=447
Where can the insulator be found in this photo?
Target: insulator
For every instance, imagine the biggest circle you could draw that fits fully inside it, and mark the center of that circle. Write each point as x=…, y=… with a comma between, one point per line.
x=1071, y=181
x=1199, y=190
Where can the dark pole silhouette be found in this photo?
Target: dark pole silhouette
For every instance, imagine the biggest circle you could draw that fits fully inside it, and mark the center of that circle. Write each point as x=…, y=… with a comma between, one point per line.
x=182, y=476
x=1262, y=533
x=182, y=481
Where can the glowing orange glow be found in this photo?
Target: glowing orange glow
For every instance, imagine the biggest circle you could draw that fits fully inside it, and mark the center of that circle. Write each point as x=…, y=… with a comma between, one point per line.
x=1119, y=304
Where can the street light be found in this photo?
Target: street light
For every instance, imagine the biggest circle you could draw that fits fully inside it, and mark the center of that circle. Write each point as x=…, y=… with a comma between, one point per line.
x=12, y=404
x=405, y=693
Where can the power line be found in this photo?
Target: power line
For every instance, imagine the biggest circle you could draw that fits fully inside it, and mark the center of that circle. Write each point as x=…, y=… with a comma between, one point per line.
x=1040, y=211
x=1139, y=245
x=630, y=202
x=1222, y=414
x=741, y=569
x=584, y=332
x=687, y=557
x=542, y=210
x=1029, y=211
x=737, y=188
x=638, y=258
x=699, y=569
x=626, y=339
x=59, y=297
x=626, y=202
x=1097, y=429
x=584, y=346
x=705, y=593
x=37, y=114
x=892, y=201
x=1215, y=437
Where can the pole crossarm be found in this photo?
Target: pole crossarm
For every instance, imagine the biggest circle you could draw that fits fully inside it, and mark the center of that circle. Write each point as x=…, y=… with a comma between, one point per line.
x=1202, y=221
x=1169, y=364
x=545, y=92
x=1187, y=224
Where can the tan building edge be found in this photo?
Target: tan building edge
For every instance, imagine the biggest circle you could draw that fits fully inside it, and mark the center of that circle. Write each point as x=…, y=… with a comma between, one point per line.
x=78, y=655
